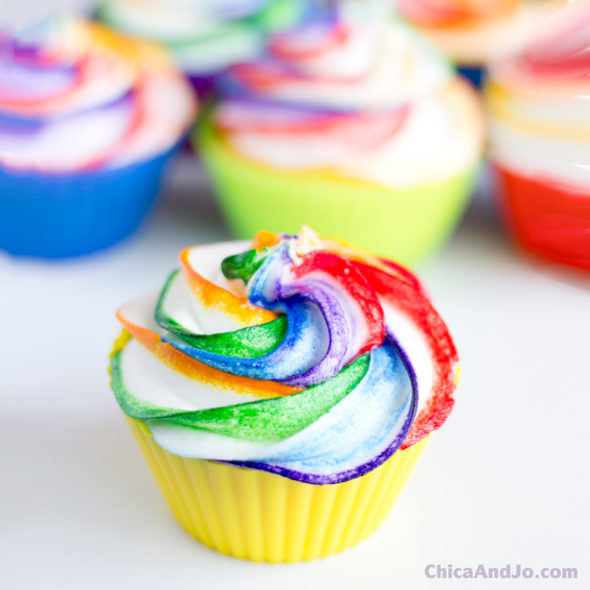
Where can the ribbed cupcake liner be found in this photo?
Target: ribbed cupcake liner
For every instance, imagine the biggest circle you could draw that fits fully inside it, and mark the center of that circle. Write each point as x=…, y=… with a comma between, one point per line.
x=548, y=220
x=261, y=516
x=68, y=214
x=405, y=225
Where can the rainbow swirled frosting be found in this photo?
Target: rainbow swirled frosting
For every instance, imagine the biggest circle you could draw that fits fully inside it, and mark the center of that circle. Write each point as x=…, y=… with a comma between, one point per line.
x=538, y=104
x=204, y=36
x=75, y=96
x=480, y=31
x=299, y=356
x=352, y=93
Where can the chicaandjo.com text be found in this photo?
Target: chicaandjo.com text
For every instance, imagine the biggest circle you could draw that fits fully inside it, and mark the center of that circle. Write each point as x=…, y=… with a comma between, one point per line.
x=437, y=571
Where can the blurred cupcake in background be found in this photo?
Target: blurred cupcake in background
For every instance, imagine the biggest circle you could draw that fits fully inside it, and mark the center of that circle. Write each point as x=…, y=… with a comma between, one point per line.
x=88, y=121
x=474, y=33
x=352, y=123
x=205, y=36
x=539, y=111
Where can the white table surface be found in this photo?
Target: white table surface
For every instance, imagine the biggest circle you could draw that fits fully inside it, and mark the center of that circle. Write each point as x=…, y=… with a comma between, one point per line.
x=506, y=480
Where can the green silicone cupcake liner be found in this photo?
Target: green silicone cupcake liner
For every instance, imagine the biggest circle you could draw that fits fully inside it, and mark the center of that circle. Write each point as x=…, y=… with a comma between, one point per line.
x=405, y=225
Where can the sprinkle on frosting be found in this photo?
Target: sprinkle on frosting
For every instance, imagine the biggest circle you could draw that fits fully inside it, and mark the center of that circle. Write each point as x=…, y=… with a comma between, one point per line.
x=351, y=363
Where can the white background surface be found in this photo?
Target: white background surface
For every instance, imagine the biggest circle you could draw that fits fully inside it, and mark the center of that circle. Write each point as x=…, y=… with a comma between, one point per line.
x=505, y=481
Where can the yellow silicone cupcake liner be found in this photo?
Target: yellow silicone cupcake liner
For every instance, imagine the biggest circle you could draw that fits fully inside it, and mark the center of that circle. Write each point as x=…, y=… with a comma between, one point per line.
x=261, y=516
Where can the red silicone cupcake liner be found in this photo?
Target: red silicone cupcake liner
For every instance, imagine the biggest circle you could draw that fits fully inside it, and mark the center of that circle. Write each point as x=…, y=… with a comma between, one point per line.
x=548, y=220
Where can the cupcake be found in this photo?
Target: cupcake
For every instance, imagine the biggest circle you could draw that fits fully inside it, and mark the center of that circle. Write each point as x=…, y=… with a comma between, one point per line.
x=352, y=123
x=474, y=33
x=88, y=122
x=540, y=140
x=282, y=392
x=205, y=37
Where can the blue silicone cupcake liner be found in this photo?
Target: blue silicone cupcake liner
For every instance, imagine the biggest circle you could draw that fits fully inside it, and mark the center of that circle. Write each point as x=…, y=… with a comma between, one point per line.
x=61, y=215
